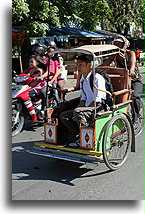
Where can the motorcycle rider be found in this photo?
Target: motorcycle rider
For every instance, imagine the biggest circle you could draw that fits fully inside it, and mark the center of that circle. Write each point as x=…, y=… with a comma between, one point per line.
x=51, y=70
x=40, y=51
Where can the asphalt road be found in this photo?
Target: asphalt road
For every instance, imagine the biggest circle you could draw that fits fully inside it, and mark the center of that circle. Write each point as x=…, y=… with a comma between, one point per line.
x=40, y=178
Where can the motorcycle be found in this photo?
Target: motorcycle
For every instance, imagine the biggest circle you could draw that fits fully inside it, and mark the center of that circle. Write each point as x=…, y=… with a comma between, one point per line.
x=26, y=102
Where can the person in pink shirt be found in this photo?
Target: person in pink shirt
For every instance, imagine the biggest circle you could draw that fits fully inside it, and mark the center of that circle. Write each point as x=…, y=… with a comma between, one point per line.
x=52, y=72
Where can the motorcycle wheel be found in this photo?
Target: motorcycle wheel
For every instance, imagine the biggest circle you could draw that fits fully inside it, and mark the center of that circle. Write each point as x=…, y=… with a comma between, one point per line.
x=18, y=126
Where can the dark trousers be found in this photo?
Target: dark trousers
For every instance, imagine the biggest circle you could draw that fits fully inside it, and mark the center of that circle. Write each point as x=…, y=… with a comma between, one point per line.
x=71, y=126
x=73, y=118
x=137, y=86
x=43, y=94
x=55, y=92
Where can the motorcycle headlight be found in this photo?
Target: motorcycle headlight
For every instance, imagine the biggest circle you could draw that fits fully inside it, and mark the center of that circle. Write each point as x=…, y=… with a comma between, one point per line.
x=21, y=78
x=16, y=88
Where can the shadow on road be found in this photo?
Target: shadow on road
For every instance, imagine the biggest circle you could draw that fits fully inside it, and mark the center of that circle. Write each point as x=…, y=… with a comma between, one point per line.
x=32, y=126
x=26, y=166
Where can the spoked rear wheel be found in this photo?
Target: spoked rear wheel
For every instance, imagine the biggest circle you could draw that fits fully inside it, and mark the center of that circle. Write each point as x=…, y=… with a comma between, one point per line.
x=116, y=142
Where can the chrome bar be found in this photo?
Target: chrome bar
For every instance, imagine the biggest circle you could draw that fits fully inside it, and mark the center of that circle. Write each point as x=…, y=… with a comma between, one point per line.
x=61, y=157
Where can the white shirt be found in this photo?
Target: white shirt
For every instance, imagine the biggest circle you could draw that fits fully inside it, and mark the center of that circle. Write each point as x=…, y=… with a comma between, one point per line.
x=87, y=93
x=63, y=74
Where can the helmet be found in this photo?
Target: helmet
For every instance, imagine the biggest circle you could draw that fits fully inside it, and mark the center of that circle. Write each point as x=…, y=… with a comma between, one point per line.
x=123, y=40
x=50, y=44
x=118, y=39
x=40, y=48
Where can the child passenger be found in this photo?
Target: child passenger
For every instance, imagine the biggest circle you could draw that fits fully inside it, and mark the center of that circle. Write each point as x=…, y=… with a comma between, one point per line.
x=36, y=73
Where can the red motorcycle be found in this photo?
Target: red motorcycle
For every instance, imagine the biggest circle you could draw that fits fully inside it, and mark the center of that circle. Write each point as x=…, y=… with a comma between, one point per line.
x=26, y=103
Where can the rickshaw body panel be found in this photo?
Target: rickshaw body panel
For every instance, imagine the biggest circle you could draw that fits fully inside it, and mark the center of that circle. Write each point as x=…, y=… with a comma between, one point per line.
x=93, y=153
x=101, y=123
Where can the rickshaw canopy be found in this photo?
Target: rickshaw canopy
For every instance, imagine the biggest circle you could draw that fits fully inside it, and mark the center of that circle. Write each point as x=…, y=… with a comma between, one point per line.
x=96, y=48
x=91, y=49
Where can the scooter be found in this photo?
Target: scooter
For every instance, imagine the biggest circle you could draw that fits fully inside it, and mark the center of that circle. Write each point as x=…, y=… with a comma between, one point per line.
x=26, y=103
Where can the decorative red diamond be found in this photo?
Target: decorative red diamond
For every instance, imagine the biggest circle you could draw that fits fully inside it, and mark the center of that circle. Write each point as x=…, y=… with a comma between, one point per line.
x=87, y=138
x=50, y=132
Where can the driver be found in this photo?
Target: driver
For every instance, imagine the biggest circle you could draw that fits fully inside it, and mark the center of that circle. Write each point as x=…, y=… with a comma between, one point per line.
x=136, y=85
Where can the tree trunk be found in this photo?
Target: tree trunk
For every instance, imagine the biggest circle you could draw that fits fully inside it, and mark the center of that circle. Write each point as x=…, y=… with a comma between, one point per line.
x=118, y=30
x=126, y=29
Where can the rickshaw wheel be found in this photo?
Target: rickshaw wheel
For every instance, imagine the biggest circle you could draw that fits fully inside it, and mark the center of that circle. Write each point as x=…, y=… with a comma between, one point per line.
x=116, y=142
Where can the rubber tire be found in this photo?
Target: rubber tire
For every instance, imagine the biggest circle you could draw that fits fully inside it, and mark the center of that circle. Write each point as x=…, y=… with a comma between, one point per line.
x=105, y=156
x=19, y=125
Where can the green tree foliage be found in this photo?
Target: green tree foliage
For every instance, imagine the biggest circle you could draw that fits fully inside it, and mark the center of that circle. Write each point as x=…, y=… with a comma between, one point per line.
x=123, y=13
x=20, y=11
x=37, y=15
x=116, y=15
x=92, y=12
x=68, y=13
x=82, y=13
x=34, y=16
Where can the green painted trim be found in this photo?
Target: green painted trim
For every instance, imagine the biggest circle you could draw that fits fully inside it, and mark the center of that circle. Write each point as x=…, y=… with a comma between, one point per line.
x=100, y=129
